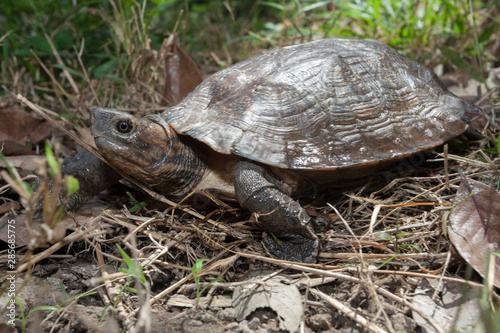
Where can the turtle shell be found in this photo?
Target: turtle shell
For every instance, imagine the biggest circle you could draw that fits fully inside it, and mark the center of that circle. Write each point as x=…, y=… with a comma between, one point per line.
x=325, y=104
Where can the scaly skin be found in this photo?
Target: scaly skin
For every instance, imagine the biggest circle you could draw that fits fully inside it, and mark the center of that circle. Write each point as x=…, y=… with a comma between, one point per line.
x=261, y=193
x=150, y=151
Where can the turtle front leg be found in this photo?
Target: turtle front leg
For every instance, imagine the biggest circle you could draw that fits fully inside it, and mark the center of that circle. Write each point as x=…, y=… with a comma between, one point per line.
x=261, y=193
x=93, y=176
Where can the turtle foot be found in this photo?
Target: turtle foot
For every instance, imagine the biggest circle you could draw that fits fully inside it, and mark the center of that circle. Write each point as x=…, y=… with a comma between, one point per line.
x=297, y=249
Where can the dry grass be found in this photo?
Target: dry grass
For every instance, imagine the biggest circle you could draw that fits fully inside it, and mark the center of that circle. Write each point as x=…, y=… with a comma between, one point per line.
x=376, y=244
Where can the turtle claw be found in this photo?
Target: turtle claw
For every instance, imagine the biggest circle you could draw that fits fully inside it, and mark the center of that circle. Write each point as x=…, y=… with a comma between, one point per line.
x=298, y=249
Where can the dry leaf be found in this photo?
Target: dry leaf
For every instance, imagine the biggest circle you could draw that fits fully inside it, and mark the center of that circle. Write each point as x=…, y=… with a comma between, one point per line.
x=83, y=216
x=284, y=299
x=85, y=134
x=220, y=301
x=9, y=206
x=455, y=308
x=17, y=128
x=25, y=165
x=181, y=74
x=22, y=235
x=475, y=225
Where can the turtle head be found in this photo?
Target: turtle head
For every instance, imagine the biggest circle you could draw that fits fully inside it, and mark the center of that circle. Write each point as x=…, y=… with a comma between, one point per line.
x=138, y=147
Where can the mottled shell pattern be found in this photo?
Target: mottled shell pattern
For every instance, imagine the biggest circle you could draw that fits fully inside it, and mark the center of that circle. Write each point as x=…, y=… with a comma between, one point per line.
x=325, y=104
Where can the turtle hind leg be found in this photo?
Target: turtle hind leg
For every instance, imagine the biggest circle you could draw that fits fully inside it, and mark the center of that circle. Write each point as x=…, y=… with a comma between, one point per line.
x=277, y=212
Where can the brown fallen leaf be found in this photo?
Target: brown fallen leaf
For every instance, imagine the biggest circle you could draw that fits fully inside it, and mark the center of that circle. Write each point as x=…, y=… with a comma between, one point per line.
x=276, y=293
x=475, y=225
x=456, y=309
x=25, y=165
x=181, y=74
x=18, y=127
x=17, y=227
x=85, y=134
x=18, y=224
x=9, y=206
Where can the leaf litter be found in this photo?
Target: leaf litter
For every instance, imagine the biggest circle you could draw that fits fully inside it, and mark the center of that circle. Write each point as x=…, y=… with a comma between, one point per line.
x=17, y=128
x=360, y=280
x=475, y=226
x=456, y=309
x=274, y=293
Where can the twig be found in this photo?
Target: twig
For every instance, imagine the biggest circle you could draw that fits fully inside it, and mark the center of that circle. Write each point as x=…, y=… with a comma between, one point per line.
x=440, y=280
x=429, y=276
x=60, y=62
x=112, y=291
x=51, y=75
x=377, y=208
x=348, y=312
x=312, y=269
x=73, y=237
x=446, y=171
x=85, y=74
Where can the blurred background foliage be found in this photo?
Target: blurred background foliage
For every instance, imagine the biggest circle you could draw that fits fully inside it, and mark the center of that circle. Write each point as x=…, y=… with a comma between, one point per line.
x=104, y=37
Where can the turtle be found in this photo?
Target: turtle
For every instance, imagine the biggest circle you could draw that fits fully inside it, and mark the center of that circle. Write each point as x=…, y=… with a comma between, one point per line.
x=265, y=130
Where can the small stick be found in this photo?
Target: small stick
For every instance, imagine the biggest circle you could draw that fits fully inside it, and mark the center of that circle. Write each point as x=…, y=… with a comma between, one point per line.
x=73, y=237
x=348, y=312
x=445, y=157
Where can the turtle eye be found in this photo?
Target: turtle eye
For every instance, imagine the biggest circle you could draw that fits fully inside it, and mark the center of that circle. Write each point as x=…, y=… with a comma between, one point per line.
x=124, y=126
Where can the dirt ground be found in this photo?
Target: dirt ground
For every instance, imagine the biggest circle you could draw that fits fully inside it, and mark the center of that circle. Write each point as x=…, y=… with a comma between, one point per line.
x=363, y=281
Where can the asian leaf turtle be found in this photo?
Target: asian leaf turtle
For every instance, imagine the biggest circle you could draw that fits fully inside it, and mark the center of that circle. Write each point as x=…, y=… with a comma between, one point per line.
x=260, y=131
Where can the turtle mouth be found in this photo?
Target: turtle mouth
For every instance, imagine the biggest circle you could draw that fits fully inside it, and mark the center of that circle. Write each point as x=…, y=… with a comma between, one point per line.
x=97, y=134
x=105, y=145
x=100, y=142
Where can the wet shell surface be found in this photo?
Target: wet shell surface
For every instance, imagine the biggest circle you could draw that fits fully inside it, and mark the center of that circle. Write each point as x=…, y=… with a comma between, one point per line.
x=325, y=104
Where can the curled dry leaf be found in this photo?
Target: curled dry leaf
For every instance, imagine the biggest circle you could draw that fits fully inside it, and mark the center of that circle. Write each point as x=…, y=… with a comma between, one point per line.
x=25, y=165
x=284, y=299
x=17, y=128
x=181, y=74
x=475, y=225
x=85, y=135
x=22, y=235
x=456, y=309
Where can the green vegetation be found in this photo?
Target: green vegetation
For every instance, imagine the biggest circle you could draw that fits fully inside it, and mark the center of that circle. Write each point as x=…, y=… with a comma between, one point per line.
x=135, y=276
x=196, y=270
x=112, y=41
x=138, y=205
x=51, y=309
x=133, y=270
